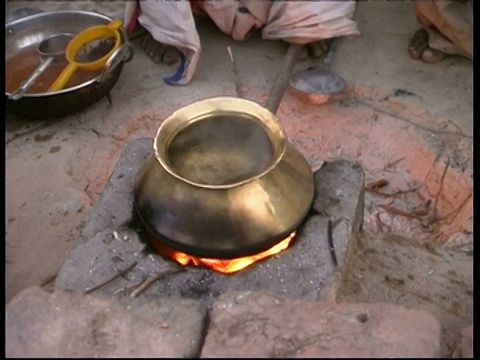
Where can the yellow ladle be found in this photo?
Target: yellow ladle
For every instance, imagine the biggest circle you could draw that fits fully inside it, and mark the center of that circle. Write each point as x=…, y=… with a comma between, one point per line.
x=84, y=46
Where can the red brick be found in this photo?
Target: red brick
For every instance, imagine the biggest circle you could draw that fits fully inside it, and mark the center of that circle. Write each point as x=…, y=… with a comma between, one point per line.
x=253, y=324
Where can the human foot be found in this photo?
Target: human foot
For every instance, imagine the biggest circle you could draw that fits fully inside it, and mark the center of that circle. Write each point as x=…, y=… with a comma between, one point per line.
x=418, y=49
x=315, y=49
x=158, y=52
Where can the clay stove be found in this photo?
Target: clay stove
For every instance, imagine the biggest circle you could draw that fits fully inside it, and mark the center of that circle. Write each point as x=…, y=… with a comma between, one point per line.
x=113, y=239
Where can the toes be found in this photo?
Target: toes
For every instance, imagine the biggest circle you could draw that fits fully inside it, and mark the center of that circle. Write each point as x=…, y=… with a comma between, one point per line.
x=147, y=42
x=303, y=54
x=316, y=49
x=158, y=52
x=149, y=46
x=432, y=56
x=325, y=45
x=418, y=49
x=418, y=44
x=170, y=56
x=416, y=52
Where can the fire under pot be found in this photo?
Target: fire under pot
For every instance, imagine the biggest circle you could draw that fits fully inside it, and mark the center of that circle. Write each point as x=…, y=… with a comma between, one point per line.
x=224, y=187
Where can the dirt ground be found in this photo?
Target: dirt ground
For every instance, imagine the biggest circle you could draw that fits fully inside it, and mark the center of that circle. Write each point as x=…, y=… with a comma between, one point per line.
x=396, y=269
x=409, y=124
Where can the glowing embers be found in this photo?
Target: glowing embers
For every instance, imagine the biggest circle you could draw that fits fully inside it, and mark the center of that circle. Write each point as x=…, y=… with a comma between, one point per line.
x=223, y=266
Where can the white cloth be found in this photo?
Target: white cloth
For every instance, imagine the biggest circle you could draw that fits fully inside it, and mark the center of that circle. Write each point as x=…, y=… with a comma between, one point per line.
x=172, y=23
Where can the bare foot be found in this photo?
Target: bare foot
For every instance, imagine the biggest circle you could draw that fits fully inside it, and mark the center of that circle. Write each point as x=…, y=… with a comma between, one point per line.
x=418, y=49
x=315, y=49
x=158, y=52
x=166, y=54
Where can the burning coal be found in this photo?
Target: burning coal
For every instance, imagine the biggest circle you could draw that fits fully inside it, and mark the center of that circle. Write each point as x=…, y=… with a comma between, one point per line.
x=223, y=266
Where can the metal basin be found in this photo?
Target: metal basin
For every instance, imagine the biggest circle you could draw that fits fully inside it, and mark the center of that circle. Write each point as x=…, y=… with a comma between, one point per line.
x=23, y=36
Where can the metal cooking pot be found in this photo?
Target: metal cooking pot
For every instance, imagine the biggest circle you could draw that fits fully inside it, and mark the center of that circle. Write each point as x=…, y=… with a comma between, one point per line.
x=223, y=182
x=29, y=31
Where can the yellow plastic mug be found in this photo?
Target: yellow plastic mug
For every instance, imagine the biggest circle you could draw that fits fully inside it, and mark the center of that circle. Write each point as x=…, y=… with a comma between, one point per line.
x=78, y=42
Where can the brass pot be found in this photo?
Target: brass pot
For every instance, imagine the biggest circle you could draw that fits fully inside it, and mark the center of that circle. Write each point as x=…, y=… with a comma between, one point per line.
x=223, y=182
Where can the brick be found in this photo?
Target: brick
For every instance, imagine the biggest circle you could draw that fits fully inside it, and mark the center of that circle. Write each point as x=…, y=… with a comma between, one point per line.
x=256, y=324
x=63, y=324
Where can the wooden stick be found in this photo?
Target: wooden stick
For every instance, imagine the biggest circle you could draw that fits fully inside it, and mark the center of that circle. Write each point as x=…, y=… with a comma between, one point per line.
x=325, y=145
x=460, y=130
x=127, y=287
x=398, y=192
x=431, y=167
x=151, y=279
x=331, y=248
x=396, y=211
x=390, y=164
x=88, y=291
x=381, y=223
x=457, y=210
x=442, y=179
x=283, y=77
x=238, y=87
x=377, y=184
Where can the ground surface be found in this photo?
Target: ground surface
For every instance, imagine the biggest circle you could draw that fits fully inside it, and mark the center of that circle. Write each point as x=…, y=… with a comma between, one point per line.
x=395, y=269
x=397, y=111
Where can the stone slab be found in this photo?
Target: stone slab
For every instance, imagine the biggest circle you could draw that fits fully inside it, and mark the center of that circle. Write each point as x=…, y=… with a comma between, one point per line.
x=63, y=324
x=106, y=244
x=340, y=192
x=256, y=324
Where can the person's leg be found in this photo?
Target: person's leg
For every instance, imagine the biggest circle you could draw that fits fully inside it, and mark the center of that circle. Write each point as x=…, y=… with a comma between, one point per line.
x=168, y=25
x=419, y=49
x=158, y=52
x=166, y=54
x=447, y=30
x=162, y=53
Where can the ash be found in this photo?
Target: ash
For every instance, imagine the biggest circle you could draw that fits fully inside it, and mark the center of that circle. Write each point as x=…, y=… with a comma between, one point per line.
x=300, y=271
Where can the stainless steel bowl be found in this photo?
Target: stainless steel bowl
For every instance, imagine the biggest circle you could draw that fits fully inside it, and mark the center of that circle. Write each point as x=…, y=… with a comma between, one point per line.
x=29, y=31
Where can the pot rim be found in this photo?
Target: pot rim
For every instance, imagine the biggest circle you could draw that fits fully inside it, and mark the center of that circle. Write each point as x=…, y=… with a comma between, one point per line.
x=200, y=110
x=50, y=13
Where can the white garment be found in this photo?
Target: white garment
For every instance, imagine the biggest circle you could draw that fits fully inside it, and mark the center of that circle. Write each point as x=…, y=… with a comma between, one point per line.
x=172, y=23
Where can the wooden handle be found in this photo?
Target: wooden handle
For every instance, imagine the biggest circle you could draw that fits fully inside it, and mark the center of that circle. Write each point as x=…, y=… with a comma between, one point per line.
x=283, y=76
